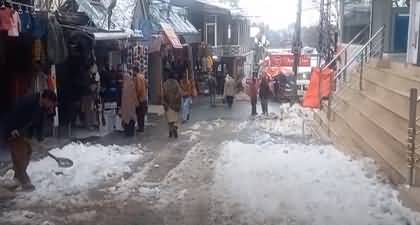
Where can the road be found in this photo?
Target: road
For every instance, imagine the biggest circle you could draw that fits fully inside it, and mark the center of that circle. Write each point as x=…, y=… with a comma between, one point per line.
x=227, y=168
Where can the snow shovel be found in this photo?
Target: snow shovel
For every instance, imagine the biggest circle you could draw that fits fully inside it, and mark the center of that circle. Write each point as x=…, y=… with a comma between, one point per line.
x=62, y=162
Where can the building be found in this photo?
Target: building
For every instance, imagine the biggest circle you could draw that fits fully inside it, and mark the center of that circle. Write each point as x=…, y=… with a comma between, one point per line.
x=225, y=32
x=395, y=15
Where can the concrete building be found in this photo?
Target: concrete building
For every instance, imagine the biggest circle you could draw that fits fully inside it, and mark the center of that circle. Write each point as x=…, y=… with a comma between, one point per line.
x=394, y=14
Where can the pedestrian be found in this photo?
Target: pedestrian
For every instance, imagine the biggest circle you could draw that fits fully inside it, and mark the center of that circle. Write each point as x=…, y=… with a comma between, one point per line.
x=172, y=97
x=229, y=90
x=265, y=93
x=141, y=90
x=26, y=118
x=253, y=91
x=187, y=94
x=129, y=104
x=212, y=90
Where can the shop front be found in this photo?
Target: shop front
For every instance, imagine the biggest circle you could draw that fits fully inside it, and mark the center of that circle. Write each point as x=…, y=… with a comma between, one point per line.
x=23, y=51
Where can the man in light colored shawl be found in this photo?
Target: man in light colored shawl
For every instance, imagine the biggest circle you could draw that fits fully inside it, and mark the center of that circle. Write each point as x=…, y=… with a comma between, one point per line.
x=172, y=97
x=129, y=103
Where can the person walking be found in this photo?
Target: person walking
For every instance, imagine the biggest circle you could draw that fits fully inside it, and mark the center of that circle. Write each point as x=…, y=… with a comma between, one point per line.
x=265, y=93
x=27, y=117
x=187, y=94
x=212, y=90
x=253, y=91
x=141, y=90
x=172, y=97
x=129, y=104
x=229, y=90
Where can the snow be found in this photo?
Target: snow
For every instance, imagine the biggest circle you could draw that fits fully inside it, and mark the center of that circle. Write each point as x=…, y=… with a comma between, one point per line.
x=290, y=122
x=209, y=125
x=304, y=184
x=93, y=165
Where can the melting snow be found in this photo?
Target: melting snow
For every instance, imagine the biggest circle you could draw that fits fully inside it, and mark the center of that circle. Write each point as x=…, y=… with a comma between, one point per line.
x=93, y=165
x=304, y=184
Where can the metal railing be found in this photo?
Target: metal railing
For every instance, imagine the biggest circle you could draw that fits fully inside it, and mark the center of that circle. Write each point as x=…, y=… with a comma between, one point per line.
x=413, y=156
x=374, y=47
x=346, y=48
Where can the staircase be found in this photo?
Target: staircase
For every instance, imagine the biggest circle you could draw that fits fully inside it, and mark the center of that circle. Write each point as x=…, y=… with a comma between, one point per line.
x=369, y=112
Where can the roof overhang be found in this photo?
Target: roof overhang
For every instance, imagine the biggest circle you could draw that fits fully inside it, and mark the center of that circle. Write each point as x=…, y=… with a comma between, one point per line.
x=105, y=36
x=204, y=6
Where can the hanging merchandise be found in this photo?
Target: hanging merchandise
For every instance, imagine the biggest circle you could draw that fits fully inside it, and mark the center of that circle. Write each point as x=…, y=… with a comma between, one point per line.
x=15, y=24
x=26, y=21
x=57, y=48
x=5, y=18
x=40, y=25
x=52, y=85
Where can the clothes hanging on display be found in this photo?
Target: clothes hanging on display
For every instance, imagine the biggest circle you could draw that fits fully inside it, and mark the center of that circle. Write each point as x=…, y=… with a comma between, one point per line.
x=26, y=21
x=5, y=18
x=15, y=27
x=57, y=48
x=40, y=26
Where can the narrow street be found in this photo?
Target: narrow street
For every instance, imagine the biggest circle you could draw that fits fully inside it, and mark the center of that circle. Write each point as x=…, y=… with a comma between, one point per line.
x=225, y=169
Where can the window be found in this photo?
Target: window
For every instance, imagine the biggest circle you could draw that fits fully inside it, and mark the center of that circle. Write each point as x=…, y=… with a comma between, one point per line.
x=211, y=34
x=229, y=32
x=211, y=30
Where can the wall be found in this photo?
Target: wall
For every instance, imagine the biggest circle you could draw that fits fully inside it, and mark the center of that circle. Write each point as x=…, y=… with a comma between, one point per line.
x=382, y=15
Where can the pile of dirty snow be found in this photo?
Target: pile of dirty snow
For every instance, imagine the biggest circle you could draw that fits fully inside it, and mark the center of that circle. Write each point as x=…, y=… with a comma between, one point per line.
x=303, y=184
x=93, y=165
x=291, y=121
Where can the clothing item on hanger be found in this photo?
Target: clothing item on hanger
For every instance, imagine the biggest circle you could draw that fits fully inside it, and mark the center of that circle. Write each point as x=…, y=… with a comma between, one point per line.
x=15, y=26
x=40, y=26
x=26, y=21
x=5, y=18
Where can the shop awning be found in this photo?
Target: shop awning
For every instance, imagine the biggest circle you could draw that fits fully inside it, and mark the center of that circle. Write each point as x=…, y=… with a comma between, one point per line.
x=171, y=35
x=104, y=36
x=173, y=16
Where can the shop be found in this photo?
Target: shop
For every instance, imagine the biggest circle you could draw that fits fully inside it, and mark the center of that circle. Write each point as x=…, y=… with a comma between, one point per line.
x=89, y=81
x=171, y=48
x=23, y=51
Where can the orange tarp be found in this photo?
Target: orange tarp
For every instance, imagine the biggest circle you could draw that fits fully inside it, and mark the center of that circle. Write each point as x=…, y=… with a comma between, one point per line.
x=319, y=87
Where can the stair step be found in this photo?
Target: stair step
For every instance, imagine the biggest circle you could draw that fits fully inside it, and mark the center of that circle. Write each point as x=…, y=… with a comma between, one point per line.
x=391, y=82
x=344, y=135
x=390, y=150
x=390, y=99
x=392, y=123
x=405, y=71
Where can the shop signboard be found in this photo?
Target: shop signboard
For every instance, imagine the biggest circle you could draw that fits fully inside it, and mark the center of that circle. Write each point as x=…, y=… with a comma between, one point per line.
x=286, y=60
x=171, y=35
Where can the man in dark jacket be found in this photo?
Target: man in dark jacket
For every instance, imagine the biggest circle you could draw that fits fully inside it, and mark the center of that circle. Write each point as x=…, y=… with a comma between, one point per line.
x=28, y=115
x=253, y=93
x=212, y=90
x=265, y=93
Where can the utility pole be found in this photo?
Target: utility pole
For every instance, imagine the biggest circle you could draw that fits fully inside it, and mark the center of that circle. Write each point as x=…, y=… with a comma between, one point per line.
x=297, y=45
x=327, y=33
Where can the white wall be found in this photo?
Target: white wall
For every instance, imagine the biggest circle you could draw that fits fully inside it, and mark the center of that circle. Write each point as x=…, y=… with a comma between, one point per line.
x=413, y=35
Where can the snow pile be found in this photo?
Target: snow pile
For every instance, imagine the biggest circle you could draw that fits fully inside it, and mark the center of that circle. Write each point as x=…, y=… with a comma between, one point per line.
x=290, y=122
x=209, y=125
x=93, y=165
x=192, y=134
x=303, y=184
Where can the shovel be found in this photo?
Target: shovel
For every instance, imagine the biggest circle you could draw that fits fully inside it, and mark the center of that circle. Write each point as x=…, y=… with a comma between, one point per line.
x=62, y=162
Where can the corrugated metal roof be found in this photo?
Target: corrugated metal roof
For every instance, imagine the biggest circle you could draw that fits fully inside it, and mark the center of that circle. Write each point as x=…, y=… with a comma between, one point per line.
x=181, y=25
x=122, y=15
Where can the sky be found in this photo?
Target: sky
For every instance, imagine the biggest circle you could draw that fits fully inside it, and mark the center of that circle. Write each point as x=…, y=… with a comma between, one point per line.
x=278, y=14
